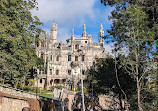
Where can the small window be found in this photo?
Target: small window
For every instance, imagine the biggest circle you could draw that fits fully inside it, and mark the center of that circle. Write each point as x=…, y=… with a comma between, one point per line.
x=76, y=46
x=57, y=81
x=85, y=41
x=51, y=57
x=57, y=58
x=64, y=80
x=76, y=58
x=82, y=57
x=40, y=80
x=69, y=57
x=57, y=72
x=83, y=72
x=42, y=56
x=69, y=72
x=50, y=72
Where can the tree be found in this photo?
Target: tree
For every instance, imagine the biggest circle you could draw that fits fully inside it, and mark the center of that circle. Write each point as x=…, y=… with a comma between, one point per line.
x=130, y=30
x=104, y=79
x=18, y=35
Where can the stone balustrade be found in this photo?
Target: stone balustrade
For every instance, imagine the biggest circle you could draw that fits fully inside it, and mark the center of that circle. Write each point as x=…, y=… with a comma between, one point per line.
x=20, y=93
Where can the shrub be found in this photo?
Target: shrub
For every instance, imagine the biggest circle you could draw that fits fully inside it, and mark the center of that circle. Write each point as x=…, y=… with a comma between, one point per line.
x=27, y=88
x=53, y=87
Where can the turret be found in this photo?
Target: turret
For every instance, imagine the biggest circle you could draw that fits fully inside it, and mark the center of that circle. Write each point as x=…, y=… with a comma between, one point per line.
x=54, y=33
x=101, y=34
x=73, y=36
x=84, y=34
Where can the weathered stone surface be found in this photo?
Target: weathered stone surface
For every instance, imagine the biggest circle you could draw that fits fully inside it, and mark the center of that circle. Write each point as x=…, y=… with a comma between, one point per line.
x=56, y=57
x=10, y=104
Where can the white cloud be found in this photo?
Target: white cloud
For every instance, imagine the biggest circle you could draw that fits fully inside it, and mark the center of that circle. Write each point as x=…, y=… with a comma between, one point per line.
x=64, y=11
x=109, y=48
x=70, y=14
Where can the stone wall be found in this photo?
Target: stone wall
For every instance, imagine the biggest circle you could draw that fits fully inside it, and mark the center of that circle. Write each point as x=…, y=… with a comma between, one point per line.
x=12, y=104
x=17, y=92
x=12, y=99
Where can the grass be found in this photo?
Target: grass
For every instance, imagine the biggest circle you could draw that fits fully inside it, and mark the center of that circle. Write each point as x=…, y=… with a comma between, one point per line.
x=45, y=95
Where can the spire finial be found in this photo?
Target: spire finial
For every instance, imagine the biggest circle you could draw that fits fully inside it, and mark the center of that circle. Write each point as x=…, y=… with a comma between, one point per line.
x=73, y=32
x=101, y=25
x=84, y=28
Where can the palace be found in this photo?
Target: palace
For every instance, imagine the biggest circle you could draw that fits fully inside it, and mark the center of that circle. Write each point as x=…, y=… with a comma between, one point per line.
x=63, y=60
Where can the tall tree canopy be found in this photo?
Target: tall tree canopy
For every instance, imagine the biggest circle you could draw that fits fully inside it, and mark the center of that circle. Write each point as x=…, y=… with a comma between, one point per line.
x=18, y=38
x=135, y=26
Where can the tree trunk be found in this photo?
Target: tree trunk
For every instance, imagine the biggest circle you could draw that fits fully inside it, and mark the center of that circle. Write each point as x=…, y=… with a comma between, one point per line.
x=138, y=85
x=138, y=95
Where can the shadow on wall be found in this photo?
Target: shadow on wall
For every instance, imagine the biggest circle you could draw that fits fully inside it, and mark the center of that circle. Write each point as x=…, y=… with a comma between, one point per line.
x=46, y=105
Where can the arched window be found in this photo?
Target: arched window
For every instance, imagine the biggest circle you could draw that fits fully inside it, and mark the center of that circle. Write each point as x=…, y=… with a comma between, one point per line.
x=42, y=55
x=69, y=72
x=51, y=57
x=82, y=57
x=40, y=80
x=57, y=72
x=69, y=57
x=57, y=58
x=76, y=58
x=76, y=46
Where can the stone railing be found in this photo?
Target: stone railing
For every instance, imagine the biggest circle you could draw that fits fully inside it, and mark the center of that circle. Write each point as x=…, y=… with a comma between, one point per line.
x=20, y=93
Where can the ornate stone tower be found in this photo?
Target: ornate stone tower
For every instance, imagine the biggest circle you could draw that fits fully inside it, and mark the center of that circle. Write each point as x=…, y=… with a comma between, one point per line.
x=101, y=34
x=84, y=34
x=54, y=33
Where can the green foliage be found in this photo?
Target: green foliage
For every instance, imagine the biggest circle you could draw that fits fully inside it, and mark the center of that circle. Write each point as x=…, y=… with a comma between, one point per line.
x=104, y=79
x=27, y=88
x=58, y=87
x=135, y=27
x=18, y=35
x=31, y=89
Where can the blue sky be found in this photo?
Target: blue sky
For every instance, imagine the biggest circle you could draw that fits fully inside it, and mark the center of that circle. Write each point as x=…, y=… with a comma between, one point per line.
x=69, y=14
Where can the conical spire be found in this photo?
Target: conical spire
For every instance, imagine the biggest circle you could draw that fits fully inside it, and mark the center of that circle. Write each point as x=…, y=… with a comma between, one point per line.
x=84, y=28
x=101, y=25
x=73, y=33
x=84, y=31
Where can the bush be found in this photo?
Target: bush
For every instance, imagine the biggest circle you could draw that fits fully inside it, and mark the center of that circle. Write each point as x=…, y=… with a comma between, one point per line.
x=53, y=87
x=27, y=88
x=35, y=89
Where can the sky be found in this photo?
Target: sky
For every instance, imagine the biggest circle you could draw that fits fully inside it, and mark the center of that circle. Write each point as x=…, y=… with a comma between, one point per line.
x=69, y=14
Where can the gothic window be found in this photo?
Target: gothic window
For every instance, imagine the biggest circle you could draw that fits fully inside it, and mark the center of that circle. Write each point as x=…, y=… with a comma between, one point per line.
x=51, y=57
x=56, y=81
x=83, y=72
x=69, y=57
x=50, y=72
x=57, y=58
x=42, y=44
x=40, y=80
x=76, y=46
x=57, y=72
x=42, y=56
x=64, y=80
x=69, y=72
x=82, y=57
x=76, y=58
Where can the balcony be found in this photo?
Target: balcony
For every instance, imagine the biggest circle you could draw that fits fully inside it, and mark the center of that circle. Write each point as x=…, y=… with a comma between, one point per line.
x=41, y=75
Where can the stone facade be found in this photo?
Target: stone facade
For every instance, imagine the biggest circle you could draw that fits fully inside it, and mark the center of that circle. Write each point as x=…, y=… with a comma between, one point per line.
x=10, y=104
x=63, y=60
